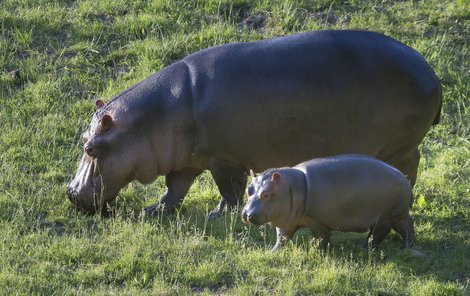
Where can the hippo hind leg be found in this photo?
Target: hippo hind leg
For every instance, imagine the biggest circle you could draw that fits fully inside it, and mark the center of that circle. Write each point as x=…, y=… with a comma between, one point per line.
x=408, y=165
x=231, y=180
x=178, y=184
x=405, y=228
x=377, y=233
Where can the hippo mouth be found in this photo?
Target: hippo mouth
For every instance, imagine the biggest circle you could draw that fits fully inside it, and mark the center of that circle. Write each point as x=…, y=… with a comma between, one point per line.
x=86, y=191
x=96, y=201
x=97, y=204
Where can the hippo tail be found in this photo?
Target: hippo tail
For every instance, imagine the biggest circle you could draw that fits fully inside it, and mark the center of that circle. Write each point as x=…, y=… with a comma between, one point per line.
x=411, y=200
x=437, y=119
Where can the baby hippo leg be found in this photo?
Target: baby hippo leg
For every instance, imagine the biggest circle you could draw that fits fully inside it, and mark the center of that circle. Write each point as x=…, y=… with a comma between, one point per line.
x=405, y=228
x=321, y=233
x=283, y=236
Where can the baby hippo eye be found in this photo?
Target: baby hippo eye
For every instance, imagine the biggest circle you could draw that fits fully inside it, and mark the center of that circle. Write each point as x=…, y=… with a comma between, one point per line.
x=264, y=195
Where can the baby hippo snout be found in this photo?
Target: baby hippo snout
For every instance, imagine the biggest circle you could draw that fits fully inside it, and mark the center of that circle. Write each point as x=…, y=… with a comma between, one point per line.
x=248, y=217
x=244, y=216
x=251, y=216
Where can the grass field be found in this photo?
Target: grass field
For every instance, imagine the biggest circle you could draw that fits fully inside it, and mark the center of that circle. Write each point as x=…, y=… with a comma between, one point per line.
x=58, y=57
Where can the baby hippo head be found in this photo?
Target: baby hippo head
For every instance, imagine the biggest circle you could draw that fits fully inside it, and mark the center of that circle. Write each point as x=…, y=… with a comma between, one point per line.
x=266, y=198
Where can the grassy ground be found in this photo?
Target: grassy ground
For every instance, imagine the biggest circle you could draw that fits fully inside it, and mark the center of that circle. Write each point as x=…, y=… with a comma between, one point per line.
x=58, y=57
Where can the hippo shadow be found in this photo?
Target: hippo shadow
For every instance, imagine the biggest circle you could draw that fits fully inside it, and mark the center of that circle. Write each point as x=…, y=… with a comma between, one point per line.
x=441, y=254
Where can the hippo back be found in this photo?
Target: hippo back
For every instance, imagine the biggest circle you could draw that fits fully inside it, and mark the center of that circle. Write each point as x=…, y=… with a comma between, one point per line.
x=278, y=102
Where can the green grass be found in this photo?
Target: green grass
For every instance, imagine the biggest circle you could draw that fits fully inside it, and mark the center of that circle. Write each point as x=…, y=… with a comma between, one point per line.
x=70, y=53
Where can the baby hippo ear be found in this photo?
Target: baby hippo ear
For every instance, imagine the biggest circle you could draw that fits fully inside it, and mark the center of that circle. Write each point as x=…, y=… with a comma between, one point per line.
x=99, y=104
x=276, y=177
x=252, y=174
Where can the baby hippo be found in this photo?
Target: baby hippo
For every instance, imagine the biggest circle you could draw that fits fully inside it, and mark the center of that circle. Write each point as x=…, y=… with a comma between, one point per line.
x=341, y=193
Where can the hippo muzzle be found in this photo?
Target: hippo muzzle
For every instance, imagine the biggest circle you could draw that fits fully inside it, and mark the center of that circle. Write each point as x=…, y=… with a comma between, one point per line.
x=85, y=190
x=251, y=216
x=81, y=199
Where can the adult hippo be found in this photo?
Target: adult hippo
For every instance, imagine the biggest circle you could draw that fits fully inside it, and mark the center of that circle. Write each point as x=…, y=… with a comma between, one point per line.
x=258, y=105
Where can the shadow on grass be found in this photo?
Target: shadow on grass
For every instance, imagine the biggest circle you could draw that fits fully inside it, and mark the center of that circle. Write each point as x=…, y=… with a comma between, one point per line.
x=441, y=254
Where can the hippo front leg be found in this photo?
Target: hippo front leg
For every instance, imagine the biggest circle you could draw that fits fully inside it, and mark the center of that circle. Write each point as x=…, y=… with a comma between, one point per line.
x=283, y=236
x=231, y=180
x=178, y=184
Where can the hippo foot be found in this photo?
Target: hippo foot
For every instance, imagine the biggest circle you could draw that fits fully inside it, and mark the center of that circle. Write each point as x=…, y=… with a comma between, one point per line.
x=217, y=211
x=368, y=245
x=156, y=209
x=107, y=211
x=277, y=247
x=215, y=214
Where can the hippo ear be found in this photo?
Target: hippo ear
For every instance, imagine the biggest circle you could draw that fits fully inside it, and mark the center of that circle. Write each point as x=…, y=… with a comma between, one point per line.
x=106, y=122
x=252, y=174
x=276, y=177
x=99, y=104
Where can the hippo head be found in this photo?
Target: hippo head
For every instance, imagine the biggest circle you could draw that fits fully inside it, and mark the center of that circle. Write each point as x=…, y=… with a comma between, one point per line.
x=266, y=199
x=112, y=158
